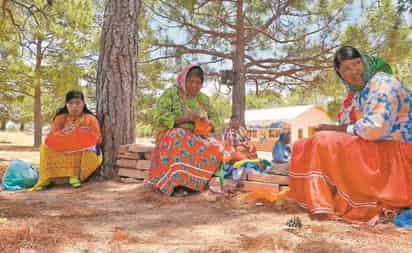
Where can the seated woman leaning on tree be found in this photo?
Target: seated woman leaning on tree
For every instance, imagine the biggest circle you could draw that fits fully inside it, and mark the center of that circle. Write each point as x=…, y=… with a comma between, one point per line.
x=361, y=169
x=71, y=147
x=184, y=157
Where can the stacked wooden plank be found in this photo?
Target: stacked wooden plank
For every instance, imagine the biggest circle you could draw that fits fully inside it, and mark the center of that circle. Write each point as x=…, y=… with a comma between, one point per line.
x=282, y=170
x=272, y=181
x=133, y=160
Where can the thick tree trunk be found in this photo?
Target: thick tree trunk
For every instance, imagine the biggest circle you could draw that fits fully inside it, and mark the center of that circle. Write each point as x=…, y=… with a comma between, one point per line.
x=37, y=96
x=238, y=95
x=21, y=127
x=117, y=79
x=3, y=125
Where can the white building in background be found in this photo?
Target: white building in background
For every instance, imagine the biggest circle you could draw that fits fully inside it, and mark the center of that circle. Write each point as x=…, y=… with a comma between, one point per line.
x=301, y=119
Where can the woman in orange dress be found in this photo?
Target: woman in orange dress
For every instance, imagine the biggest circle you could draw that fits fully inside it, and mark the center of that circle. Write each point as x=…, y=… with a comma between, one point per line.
x=361, y=169
x=71, y=147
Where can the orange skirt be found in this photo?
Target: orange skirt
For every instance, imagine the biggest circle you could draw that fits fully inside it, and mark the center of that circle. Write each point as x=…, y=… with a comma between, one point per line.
x=344, y=175
x=182, y=158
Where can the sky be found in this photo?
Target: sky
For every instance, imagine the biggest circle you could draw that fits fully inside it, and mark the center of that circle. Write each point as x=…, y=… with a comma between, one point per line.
x=354, y=14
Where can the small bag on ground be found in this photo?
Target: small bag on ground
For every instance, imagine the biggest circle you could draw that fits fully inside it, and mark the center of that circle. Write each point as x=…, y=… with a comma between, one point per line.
x=19, y=175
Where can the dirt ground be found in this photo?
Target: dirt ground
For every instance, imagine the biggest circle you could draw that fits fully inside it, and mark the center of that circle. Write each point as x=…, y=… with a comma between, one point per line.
x=115, y=216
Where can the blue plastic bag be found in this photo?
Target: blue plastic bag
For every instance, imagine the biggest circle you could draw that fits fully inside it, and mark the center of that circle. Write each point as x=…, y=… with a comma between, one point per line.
x=19, y=175
x=404, y=219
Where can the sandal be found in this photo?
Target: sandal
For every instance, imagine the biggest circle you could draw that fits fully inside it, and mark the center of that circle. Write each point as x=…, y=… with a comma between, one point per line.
x=75, y=182
x=180, y=192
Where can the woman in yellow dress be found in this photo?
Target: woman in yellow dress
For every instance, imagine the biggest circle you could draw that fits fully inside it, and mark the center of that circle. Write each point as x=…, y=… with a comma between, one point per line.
x=71, y=147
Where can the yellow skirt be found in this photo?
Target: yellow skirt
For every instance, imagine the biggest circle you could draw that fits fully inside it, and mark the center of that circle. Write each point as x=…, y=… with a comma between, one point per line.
x=56, y=165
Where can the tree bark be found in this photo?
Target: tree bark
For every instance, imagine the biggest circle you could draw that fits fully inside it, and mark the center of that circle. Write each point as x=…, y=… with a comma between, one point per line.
x=22, y=127
x=257, y=87
x=37, y=96
x=117, y=79
x=3, y=125
x=238, y=95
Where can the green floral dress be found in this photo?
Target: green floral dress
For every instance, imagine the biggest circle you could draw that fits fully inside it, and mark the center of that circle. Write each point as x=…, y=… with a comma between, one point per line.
x=182, y=158
x=171, y=105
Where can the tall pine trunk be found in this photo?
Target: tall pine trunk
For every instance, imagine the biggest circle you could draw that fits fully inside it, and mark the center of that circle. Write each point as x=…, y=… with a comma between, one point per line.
x=37, y=96
x=3, y=125
x=117, y=79
x=238, y=95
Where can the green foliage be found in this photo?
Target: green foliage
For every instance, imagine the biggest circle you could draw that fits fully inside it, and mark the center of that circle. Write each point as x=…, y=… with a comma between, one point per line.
x=277, y=35
x=70, y=42
x=145, y=104
x=403, y=71
x=221, y=105
x=144, y=129
x=333, y=108
x=188, y=4
x=151, y=79
x=327, y=94
x=380, y=32
x=265, y=99
x=64, y=35
x=23, y=110
x=15, y=80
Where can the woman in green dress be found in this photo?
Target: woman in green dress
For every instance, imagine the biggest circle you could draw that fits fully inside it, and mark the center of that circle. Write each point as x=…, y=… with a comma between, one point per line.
x=184, y=157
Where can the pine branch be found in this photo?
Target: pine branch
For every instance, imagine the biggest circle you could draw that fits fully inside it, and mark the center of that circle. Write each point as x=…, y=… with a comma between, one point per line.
x=187, y=50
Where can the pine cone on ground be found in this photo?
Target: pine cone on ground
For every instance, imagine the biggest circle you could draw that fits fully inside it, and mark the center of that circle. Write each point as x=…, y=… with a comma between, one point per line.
x=294, y=222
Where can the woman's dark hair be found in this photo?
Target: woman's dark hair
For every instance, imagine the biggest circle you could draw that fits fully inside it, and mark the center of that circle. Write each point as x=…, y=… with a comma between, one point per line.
x=69, y=96
x=195, y=71
x=343, y=54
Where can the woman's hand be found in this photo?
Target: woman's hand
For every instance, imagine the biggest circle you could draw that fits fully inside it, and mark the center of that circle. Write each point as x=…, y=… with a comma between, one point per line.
x=187, y=117
x=212, y=127
x=192, y=116
x=330, y=127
